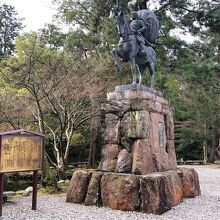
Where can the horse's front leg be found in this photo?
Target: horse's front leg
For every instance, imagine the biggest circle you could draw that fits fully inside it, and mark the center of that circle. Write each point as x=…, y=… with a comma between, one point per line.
x=133, y=69
x=141, y=69
x=115, y=58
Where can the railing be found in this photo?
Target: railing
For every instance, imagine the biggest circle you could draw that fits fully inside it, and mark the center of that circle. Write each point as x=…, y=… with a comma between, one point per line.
x=190, y=162
x=78, y=164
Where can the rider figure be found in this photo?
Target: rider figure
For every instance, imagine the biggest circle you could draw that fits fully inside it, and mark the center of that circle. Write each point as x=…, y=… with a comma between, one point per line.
x=138, y=26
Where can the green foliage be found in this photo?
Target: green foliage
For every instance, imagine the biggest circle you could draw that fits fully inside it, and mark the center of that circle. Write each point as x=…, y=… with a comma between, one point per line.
x=52, y=36
x=198, y=108
x=50, y=180
x=79, y=139
x=169, y=84
x=96, y=27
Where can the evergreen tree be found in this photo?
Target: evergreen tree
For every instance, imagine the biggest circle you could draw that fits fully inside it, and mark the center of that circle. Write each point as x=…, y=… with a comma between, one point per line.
x=10, y=25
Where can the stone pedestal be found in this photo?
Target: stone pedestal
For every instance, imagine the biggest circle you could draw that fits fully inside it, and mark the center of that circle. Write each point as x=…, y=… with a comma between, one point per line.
x=137, y=128
x=138, y=167
x=152, y=193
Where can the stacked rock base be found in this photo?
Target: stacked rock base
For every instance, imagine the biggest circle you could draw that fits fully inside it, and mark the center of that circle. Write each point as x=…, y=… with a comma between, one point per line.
x=137, y=132
x=138, y=169
x=153, y=193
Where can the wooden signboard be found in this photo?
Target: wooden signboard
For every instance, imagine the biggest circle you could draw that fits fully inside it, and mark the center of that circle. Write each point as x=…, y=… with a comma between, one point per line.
x=20, y=151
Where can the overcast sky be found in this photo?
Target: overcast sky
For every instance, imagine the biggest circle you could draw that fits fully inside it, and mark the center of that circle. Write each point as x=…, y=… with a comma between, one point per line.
x=35, y=12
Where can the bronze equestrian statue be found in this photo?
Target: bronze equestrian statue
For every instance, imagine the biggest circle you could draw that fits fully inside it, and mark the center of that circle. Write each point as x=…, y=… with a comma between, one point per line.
x=135, y=45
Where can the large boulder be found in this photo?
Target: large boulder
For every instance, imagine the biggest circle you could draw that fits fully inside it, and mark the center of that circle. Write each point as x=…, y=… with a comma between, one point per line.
x=120, y=191
x=143, y=162
x=93, y=192
x=150, y=194
x=171, y=186
x=78, y=186
x=149, y=159
x=160, y=192
x=190, y=181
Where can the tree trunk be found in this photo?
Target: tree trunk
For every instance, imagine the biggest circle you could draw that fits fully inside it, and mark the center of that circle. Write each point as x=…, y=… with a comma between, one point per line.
x=92, y=147
x=141, y=4
x=205, y=152
x=218, y=149
x=215, y=141
x=95, y=122
x=42, y=130
x=61, y=170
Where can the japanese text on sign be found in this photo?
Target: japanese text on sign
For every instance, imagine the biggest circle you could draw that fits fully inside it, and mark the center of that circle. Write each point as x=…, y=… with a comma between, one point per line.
x=21, y=153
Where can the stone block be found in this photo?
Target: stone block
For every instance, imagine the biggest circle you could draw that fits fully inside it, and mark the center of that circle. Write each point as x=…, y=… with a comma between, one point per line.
x=134, y=94
x=160, y=192
x=111, y=129
x=143, y=162
x=171, y=185
x=148, y=159
x=117, y=107
x=146, y=95
x=124, y=162
x=109, y=156
x=157, y=107
x=127, y=143
x=136, y=124
x=190, y=181
x=120, y=191
x=166, y=110
x=93, y=192
x=150, y=194
x=170, y=149
x=169, y=126
x=161, y=100
x=137, y=157
x=78, y=186
x=158, y=131
x=139, y=104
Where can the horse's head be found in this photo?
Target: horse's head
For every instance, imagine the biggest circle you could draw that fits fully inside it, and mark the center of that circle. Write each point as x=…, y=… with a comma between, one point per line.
x=123, y=24
x=120, y=26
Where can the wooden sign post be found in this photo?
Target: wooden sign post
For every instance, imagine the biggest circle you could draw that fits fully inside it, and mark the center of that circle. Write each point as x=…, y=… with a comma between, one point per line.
x=20, y=151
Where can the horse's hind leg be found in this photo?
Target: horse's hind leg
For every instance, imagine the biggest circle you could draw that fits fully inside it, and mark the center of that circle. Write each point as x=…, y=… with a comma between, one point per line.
x=133, y=69
x=152, y=73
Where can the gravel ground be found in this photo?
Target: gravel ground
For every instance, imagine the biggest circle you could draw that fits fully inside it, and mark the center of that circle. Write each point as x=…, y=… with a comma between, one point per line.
x=204, y=207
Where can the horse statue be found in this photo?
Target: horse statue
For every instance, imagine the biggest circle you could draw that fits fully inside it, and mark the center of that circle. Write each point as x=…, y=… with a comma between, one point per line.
x=129, y=49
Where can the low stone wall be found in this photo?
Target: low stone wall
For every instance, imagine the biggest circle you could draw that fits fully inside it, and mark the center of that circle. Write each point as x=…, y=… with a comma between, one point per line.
x=152, y=193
